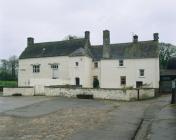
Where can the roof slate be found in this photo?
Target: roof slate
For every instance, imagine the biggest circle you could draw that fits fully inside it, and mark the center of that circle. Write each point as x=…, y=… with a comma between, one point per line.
x=51, y=49
x=76, y=47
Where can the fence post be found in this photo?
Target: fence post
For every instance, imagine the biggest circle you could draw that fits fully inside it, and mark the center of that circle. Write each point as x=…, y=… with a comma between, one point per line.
x=138, y=94
x=173, y=98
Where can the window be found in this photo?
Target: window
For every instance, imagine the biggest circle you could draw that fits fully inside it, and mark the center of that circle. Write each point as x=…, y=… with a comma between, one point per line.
x=54, y=66
x=36, y=68
x=139, y=84
x=141, y=72
x=123, y=80
x=76, y=63
x=120, y=62
x=54, y=71
x=96, y=65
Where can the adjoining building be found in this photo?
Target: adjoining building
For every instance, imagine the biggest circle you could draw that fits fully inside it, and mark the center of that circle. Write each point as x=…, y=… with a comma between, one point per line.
x=77, y=62
x=167, y=76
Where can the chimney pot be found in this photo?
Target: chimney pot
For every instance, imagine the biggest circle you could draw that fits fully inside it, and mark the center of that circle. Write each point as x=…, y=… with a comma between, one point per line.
x=155, y=36
x=30, y=41
x=87, y=35
x=135, y=38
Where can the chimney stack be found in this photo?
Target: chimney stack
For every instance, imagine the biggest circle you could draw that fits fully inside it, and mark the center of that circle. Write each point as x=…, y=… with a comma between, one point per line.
x=30, y=41
x=106, y=44
x=155, y=36
x=87, y=35
x=135, y=38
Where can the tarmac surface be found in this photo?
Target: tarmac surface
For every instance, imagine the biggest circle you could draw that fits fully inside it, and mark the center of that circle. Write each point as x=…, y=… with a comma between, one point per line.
x=59, y=118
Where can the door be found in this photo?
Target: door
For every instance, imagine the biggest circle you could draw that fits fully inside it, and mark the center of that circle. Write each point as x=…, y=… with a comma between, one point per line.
x=95, y=82
x=77, y=81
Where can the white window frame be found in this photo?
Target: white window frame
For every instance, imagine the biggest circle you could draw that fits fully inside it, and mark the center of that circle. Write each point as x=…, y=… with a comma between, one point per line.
x=36, y=68
x=141, y=72
x=123, y=80
x=55, y=68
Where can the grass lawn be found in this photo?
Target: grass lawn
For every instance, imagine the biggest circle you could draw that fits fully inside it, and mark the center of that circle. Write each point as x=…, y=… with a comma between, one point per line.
x=8, y=83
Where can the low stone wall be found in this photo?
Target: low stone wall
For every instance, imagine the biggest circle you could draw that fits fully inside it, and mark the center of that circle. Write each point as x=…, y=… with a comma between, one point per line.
x=111, y=94
x=26, y=91
x=142, y=94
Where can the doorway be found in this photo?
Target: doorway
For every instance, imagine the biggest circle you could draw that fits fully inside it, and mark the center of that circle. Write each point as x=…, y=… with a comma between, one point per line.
x=77, y=81
x=95, y=82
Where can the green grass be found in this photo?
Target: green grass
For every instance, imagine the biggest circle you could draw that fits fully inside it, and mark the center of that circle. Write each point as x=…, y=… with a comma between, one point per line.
x=8, y=83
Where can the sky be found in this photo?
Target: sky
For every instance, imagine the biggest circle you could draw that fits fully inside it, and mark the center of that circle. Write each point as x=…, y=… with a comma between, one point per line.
x=52, y=20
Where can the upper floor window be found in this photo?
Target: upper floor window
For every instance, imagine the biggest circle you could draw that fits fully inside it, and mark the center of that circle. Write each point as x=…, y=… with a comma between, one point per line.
x=36, y=68
x=54, y=66
x=76, y=63
x=123, y=80
x=121, y=63
x=141, y=72
x=96, y=65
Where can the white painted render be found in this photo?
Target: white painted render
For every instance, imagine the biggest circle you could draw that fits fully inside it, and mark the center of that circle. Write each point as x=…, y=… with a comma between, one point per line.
x=108, y=72
x=111, y=72
x=67, y=71
x=26, y=77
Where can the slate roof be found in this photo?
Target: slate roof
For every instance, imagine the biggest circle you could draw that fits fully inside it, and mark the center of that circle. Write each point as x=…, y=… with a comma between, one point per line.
x=81, y=52
x=76, y=47
x=50, y=49
x=142, y=49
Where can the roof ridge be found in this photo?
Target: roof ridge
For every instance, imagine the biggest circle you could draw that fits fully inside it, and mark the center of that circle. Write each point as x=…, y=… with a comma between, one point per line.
x=123, y=43
x=132, y=42
x=39, y=43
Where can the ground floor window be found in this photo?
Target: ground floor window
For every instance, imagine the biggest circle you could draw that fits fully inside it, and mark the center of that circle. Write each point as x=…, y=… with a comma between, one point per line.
x=139, y=84
x=123, y=80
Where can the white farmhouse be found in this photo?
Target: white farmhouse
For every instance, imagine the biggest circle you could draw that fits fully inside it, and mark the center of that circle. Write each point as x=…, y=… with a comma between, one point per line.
x=77, y=62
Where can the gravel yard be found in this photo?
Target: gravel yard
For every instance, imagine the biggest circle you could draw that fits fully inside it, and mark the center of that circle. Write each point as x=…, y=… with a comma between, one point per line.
x=57, y=118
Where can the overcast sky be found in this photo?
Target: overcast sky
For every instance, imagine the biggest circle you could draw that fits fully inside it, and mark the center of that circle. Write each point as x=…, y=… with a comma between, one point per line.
x=52, y=20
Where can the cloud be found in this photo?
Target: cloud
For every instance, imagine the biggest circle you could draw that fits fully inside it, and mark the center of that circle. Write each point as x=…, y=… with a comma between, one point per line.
x=48, y=20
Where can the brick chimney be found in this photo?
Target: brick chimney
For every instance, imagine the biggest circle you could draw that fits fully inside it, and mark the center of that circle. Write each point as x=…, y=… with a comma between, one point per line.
x=155, y=36
x=135, y=38
x=106, y=44
x=30, y=41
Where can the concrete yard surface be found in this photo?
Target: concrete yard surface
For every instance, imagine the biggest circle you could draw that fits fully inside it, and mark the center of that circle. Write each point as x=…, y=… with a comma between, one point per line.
x=59, y=118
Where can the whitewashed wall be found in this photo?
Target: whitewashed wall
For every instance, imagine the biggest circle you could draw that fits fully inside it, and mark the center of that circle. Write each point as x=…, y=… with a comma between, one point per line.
x=83, y=70
x=67, y=71
x=110, y=94
x=26, y=77
x=111, y=72
x=108, y=72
